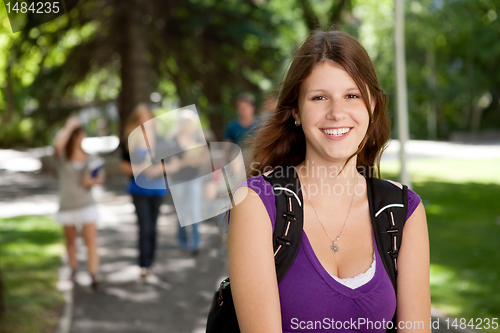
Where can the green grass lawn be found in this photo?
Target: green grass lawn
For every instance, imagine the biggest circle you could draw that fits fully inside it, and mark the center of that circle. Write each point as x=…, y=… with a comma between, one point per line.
x=30, y=255
x=461, y=198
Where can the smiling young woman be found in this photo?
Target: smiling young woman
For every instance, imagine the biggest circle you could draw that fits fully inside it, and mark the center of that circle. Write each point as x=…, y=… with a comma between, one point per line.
x=330, y=124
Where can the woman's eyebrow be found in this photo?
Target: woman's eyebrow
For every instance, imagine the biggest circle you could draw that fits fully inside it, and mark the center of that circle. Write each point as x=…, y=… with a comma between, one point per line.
x=316, y=90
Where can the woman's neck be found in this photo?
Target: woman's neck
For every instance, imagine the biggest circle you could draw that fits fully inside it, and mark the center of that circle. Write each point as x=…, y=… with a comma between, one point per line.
x=78, y=155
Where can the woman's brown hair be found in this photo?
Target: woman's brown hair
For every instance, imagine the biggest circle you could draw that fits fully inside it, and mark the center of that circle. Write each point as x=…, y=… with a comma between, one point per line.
x=69, y=149
x=133, y=119
x=278, y=142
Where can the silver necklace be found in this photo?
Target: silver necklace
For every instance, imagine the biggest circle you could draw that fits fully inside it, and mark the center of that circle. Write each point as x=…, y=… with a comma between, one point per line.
x=334, y=247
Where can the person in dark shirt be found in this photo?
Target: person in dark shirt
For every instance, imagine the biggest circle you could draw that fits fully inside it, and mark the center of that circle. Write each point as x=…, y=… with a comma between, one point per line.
x=246, y=123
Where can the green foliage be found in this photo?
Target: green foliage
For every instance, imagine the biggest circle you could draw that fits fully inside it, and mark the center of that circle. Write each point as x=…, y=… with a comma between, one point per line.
x=457, y=44
x=452, y=61
x=205, y=52
x=30, y=255
x=17, y=133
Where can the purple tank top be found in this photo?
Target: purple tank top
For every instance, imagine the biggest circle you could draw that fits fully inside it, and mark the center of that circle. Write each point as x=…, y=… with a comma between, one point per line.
x=312, y=301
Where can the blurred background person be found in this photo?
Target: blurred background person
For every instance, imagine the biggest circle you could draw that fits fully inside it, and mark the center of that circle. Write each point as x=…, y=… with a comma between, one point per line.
x=236, y=130
x=150, y=193
x=192, y=157
x=76, y=204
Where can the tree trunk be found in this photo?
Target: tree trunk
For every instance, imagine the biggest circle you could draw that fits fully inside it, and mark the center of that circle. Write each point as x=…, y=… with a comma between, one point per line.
x=336, y=12
x=466, y=112
x=136, y=87
x=214, y=115
x=432, y=83
x=9, y=107
x=310, y=18
x=2, y=304
x=10, y=98
x=216, y=123
x=491, y=112
x=443, y=125
x=477, y=114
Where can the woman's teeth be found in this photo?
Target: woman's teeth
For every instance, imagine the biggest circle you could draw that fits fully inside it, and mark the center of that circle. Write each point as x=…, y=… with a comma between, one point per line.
x=337, y=132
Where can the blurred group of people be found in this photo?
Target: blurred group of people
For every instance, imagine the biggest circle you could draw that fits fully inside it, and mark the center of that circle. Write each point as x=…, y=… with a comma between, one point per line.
x=79, y=171
x=149, y=188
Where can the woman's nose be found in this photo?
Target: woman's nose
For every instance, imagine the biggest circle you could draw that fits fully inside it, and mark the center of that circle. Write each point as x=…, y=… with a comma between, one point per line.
x=336, y=110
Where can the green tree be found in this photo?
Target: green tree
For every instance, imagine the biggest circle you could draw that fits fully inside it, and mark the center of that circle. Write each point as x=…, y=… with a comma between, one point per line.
x=452, y=56
x=200, y=52
x=196, y=51
x=453, y=65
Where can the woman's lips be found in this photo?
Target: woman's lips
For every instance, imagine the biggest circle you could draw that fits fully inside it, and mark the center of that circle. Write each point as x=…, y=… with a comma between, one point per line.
x=336, y=133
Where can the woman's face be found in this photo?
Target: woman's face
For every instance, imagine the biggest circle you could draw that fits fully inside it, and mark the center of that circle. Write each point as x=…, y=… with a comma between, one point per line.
x=144, y=116
x=188, y=127
x=332, y=113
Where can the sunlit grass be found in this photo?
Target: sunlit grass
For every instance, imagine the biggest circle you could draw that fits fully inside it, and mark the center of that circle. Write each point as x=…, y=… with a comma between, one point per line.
x=464, y=229
x=30, y=255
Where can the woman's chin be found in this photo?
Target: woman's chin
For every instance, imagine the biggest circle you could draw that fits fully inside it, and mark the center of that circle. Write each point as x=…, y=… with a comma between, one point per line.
x=339, y=156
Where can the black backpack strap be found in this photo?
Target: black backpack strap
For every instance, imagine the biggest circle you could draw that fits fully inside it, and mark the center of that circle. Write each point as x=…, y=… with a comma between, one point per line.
x=388, y=209
x=289, y=222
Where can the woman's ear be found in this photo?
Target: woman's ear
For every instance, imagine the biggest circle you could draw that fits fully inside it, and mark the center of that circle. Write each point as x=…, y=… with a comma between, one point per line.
x=295, y=116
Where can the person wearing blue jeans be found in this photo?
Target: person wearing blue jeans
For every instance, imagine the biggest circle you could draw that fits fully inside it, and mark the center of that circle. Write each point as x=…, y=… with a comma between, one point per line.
x=188, y=195
x=148, y=189
x=147, y=208
x=191, y=193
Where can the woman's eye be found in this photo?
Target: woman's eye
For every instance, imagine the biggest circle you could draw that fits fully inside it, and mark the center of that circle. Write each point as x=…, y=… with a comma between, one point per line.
x=352, y=96
x=318, y=98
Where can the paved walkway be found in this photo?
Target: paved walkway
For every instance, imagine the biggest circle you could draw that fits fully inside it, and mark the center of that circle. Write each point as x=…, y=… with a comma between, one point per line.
x=177, y=299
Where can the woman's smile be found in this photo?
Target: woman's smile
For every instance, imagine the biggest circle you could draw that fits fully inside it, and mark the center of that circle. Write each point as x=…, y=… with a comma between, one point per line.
x=336, y=133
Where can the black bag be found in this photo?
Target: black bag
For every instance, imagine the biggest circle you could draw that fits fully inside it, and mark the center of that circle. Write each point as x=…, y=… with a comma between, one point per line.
x=388, y=210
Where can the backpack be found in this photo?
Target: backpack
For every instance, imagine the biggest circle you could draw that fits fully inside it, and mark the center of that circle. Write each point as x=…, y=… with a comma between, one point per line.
x=388, y=209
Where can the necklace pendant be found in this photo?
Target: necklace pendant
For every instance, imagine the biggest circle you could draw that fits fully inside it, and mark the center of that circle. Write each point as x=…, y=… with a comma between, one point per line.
x=334, y=247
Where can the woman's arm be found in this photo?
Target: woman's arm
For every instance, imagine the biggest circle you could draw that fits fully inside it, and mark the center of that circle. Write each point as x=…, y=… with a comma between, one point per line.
x=126, y=168
x=414, y=297
x=173, y=165
x=90, y=181
x=251, y=266
x=153, y=171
